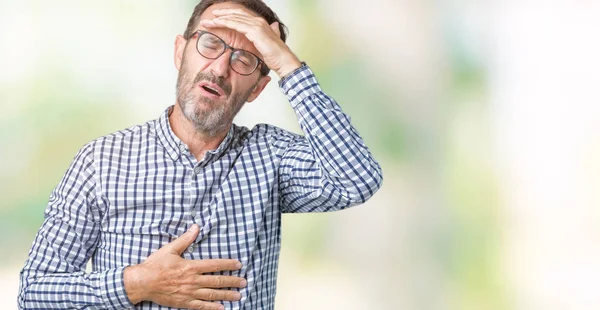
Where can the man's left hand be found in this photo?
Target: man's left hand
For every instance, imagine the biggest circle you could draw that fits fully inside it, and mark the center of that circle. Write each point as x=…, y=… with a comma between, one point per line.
x=266, y=38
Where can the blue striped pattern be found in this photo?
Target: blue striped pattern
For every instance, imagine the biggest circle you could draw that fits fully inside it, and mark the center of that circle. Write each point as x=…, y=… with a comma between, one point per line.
x=128, y=193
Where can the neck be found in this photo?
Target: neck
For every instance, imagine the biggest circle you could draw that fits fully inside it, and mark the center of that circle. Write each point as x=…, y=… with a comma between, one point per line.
x=198, y=142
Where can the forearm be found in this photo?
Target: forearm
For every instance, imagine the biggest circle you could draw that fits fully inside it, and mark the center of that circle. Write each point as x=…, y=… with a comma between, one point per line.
x=54, y=275
x=339, y=151
x=77, y=290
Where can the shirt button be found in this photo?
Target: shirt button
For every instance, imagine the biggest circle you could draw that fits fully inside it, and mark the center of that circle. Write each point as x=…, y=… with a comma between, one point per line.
x=182, y=148
x=197, y=170
x=192, y=213
x=191, y=249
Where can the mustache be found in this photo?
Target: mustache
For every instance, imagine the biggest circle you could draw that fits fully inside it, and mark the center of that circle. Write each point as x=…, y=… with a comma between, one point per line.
x=220, y=81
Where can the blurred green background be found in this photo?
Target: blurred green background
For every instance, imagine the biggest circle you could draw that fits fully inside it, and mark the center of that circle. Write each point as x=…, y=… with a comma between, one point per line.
x=483, y=116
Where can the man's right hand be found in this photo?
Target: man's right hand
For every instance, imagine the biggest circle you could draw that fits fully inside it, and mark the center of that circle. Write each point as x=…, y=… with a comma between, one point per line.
x=167, y=279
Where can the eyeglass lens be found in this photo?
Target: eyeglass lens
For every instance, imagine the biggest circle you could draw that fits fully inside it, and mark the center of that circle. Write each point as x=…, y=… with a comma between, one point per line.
x=212, y=47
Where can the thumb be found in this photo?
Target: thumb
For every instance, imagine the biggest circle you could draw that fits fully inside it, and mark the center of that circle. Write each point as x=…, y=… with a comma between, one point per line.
x=180, y=244
x=275, y=27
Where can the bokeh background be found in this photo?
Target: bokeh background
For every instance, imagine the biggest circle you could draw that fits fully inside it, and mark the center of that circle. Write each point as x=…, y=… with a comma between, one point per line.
x=485, y=116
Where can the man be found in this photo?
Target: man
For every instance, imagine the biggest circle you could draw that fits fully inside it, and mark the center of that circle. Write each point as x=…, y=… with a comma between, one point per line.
x=185, y=211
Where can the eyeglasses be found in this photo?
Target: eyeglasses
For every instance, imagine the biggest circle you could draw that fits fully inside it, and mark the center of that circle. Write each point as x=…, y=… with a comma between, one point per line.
x=243, y=62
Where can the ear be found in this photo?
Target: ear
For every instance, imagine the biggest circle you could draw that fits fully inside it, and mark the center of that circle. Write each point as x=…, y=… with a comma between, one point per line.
x=275, y=28
x=262, y=83
x=180, y=43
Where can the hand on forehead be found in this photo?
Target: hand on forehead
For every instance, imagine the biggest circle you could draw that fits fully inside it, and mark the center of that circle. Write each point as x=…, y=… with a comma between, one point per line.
x=227, y=9
x=232, y=10
x=242, y=27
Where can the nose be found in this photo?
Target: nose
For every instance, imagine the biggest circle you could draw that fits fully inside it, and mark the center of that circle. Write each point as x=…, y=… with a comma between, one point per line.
x=220, y=66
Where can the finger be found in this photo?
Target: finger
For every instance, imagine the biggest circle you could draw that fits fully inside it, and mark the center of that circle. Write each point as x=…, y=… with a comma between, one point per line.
x=228, y=22
x=208, y=294
x=244, y=19
x=214, y=265
x=209, y=281
x=183, y=242
x=209, y=23
x=221, y=12
x=249, y=27
x=245, y=14
x=204, y=305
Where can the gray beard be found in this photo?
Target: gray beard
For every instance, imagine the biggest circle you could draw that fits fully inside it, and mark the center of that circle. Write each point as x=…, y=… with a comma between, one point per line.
x=216, y=117
x=210, y=121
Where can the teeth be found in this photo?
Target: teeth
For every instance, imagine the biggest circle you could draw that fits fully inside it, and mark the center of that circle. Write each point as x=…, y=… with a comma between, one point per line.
x=211, y=90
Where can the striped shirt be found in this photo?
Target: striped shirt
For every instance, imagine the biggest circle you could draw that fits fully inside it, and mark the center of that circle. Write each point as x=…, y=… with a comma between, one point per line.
x=129, y=193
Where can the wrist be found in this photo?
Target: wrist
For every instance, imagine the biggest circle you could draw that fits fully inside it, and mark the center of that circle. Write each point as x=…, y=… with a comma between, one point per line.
x=133, y=282
x=289, y=67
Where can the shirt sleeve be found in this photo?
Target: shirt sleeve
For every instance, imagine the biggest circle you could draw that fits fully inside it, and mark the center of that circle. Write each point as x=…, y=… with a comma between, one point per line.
x=54, y=274
x=330, y=168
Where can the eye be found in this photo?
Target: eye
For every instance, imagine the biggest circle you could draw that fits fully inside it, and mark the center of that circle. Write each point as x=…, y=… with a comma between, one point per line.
x=245, y=59
x=211, y=44
x=245, y=63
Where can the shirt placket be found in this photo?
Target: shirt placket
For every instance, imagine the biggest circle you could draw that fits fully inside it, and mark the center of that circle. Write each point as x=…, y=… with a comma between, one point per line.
x=195, y=190
x=191, y=193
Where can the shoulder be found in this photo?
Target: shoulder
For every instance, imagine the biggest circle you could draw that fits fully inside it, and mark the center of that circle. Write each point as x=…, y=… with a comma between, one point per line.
x=121, y=140
x=128, y=134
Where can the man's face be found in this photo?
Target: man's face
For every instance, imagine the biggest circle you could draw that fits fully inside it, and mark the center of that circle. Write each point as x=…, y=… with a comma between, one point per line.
x=199, y=77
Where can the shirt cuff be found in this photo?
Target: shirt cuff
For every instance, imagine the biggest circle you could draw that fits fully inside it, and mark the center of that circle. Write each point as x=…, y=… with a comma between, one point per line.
x=112, y=289
x=299, y=85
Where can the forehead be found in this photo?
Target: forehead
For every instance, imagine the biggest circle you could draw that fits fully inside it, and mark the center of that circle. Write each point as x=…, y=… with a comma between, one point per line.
x=231, y=37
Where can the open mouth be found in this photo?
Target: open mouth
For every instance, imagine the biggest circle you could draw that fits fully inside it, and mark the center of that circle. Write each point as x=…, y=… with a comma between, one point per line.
x=211, y=90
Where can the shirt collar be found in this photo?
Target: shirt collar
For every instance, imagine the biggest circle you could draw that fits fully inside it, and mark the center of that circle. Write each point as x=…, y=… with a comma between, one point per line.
x=174, y=146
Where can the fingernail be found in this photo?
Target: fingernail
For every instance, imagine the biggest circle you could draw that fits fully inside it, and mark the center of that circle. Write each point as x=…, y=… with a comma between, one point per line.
x=243, y=283
x=238, y=265
x=193, y=228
